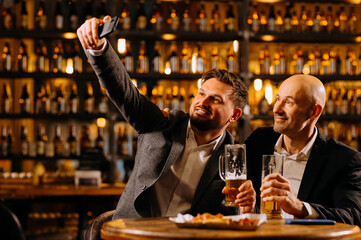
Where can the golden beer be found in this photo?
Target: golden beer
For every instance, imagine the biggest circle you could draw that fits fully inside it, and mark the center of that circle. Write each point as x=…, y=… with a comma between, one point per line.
x=271, y=209
x=233, y=185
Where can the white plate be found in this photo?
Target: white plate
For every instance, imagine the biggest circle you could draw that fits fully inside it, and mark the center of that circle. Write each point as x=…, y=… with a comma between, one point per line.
x=183, y=221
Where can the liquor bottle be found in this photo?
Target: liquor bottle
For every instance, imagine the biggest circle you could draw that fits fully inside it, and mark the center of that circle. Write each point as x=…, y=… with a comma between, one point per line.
x=57, y=59
x=160, y=101
x=185, y=59
x=74, y=100
x=344, y=104
x=157, y=60
x=231, y=60
x=73, y=16
x=46, y=99
x=359, y=61
x=41, y=141
x=201, y=20
x=287, y=19
x=6, y=101
x=253, y=19
x=6, y=58
x=8, y=18
x=143, y=61
x=168, y=98
x=173, y=58
x=338, y=62
x=317, y=20
x=353, y=21
x=200, y=60
x=343, y=20
x=175, y=98
x=271, y=26
x=24, y=142
x=24, y=100
x=72, y=142
x=333, y=68
x=263, y=106
x=89, y=99
x=353, y=142
x=182, y=103
x=58, y=102
x=230, y=20
x=294, y=22
x=58, y=142
x=358, y=103
x=141, y=23
x=9, y=141
x=303, y=19
x=122, y=142
x=263, y=21
x=267, y=60
x=186, y=20
x=39, y=101
x=309, y=22
x=300, y=60
x=323, y=22
x=215, y=20
x=77, y=60
x=352, y=102
x=325, y=62
x=350, y=61
x=128, y=58
x=329, y=19
x=103, y=102
x=4, y=142
x=24, y=16
x=59, y=17
x=125, y=20
x=157, y=18
x=85, y=143
x=317, y=63
x=276, y=61
x=173, y=20
x=22, y=58
x=99, y=141
x=330, y=103
x=41, y=19
x=283, y=61
x=40, y=58
x=279, y=23
x=214, y=58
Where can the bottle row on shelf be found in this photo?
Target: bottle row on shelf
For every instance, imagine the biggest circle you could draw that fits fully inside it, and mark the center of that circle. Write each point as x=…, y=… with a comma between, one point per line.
x=191, y=58
x=54, y=99
x=42, y=147
x=61, y=59
x=312, y=59
x=313, y=17
x=343, y=98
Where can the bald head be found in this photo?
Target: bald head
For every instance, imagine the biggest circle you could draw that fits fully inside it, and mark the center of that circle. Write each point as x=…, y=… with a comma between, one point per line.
x=308, y=87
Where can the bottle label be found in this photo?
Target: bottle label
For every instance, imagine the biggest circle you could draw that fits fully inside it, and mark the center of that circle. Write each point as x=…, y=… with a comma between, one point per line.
x=126, y=23
x=103, y=107
x=89, y=105
x=128, y=63
x=43, y=22
x=173, y=64
x=158, y=23
x=40, y=148
x=175, y=23
x=231, y=65
x=59, y=22
x=24, y=21
x=24, y=64
x=231, y=24
x=187, y=24
x=6, y=106
x=142, y=22
x=74, y=105
x=74, y=21
x=156, y=64
x=24, y=148
x=185, y=65
x=200, y=65
x=271, y=25
x=203, y=25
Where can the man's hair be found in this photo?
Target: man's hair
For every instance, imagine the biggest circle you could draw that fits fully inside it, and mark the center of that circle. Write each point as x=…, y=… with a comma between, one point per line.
x=240, y=92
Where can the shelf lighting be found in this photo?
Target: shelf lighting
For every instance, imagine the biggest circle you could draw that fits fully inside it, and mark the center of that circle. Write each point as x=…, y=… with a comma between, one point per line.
x=121, y=45
x=358, y=39
x=101, y=122
x=267, y=38
x=268, y=92
x=69, y=35
x=69, y=66
x=168, y=36
x=194, y=62
x=167, y=69
x=235, y=46
x=257, y=84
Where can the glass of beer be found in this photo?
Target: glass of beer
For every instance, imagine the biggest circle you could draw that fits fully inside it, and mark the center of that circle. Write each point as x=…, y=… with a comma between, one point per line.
x=232, y=170
x=271, y=164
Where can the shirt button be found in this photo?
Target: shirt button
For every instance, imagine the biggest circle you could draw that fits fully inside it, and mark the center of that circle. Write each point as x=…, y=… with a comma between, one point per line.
x=143, y=187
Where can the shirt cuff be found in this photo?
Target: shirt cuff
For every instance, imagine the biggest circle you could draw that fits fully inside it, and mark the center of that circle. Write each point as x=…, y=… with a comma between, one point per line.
x=312, y=214
x=98, y=52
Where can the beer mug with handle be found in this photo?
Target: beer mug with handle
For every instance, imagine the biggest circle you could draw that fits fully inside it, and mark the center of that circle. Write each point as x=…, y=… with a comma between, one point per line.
x=232, y=170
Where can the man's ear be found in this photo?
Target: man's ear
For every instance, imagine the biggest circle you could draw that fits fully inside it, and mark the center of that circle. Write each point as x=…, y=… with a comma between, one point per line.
x=316, y=111
x=237, y=113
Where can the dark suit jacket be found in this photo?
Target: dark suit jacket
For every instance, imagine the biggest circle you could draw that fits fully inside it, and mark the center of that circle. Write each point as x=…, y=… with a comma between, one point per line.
x=160, y=143
x=331, y=182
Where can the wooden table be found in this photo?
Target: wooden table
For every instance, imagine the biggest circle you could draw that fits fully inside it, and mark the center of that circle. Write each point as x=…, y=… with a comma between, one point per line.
x=162, y=228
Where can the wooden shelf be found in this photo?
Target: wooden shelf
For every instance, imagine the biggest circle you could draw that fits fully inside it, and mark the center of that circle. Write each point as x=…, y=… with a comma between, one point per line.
x=60, y=117
x=323, y=78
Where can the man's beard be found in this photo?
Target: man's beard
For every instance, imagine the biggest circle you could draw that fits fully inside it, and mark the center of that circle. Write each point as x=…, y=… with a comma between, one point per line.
x=201, y=124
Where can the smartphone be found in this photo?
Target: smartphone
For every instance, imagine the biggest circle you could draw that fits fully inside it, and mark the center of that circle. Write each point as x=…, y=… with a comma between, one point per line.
x=108, y=27
x=311, y=221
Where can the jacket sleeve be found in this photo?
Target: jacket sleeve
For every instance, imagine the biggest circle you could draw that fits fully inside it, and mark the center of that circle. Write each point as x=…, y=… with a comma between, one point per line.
x=346, y=196
x=138, y=111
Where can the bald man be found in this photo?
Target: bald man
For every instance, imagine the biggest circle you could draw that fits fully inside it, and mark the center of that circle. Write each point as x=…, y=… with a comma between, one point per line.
x=322, y=177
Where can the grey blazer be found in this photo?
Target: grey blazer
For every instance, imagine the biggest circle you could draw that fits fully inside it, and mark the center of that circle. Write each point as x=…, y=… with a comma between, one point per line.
x=160, y=143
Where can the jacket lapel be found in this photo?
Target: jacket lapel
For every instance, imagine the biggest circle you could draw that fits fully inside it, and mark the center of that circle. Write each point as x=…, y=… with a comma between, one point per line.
x=314, y=164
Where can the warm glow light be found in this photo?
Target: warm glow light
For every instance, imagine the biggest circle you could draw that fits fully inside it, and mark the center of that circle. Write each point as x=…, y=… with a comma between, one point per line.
x=194, y=62
x=257, y=84
x=168, y=36
x=268, y=92
x=199, y=83
x=69, y=35
x=167, y=69
x=134, y=81
x=306, y=69
x=358, y=39
x=69, y=66
x=101, y=122
x=267, y=38
x=235, y=46
x=121, y=45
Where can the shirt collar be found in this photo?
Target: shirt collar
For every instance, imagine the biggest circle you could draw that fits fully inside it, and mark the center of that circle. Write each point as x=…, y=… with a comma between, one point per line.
x=215, y=142
x=304, y=154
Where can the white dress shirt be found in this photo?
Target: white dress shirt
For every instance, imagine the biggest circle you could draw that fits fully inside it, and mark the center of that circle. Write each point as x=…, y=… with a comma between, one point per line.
x=294, y=167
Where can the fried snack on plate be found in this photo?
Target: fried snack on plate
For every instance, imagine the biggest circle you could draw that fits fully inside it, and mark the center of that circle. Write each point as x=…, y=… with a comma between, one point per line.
x=209, y=218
